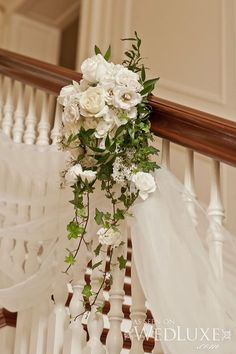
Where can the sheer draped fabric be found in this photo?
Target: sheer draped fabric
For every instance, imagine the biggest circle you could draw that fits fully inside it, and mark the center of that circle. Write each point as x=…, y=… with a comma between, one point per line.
x=170, y=247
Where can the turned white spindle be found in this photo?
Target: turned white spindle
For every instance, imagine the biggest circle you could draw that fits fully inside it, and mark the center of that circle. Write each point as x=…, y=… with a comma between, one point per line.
x=114, y=342
x=38, y=334
x=8, y=108
x=1, y=99
x=95, y=322
x=19, y=115
x=75, y=335
x=157, y=348
x=189, y=184
x=56, y=131
x=59, y=319
x=9, y=185
x=22, y=337
x=32, y=260
x=216, y=213
x=44, y=125
x=31, y=119
x=137, y=313
x=165, y=156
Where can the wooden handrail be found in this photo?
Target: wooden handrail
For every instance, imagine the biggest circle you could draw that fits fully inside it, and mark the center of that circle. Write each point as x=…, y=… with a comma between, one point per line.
x=205, y=133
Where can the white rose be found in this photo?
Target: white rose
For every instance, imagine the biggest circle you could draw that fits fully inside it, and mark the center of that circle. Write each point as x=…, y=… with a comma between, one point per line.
x=110, y=75
x=71, y=128
x=108, y=88
x=109, y=237
x=132, y=114
x=92, y=103
x=125, y=98
x=88, y=175
x=102, y=129
x=71, y=114
x=128, y=78
x=72, y=174
x=66, y=93
x=145, y=183
x=94, y=68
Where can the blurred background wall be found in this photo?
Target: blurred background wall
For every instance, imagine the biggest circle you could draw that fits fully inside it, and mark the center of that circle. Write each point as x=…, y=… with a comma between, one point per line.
x=190, y=44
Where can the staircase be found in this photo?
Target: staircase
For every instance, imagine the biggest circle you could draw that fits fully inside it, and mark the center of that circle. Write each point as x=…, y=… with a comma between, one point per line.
x=29, y=114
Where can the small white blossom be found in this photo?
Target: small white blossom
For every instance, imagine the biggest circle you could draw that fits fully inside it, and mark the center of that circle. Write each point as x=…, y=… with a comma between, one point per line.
x=76, y=171
x=88, y=175
x=125, y=98
x=121, y=172
x=72, y=174
x=66, y=93
x=128, y=78
x=109, y=237
x=102, y=129
x=145, y=183
x=71, y=114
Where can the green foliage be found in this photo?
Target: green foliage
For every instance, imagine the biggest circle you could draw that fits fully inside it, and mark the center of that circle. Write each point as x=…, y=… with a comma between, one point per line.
x=98, y=249
x=70, y=259
x=87, y=291
x=130, y=143
x=122, y=262
x=74, y=230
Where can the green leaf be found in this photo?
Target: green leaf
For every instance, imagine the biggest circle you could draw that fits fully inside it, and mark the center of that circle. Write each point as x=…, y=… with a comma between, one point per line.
x=120, y=130
x=74, y=229
x=97, y=50
x=100, y=309
x=143, y=74
x=70, y=259
x=122, y=262
x=119, y=214
x=108, y=53
x=99, y=217
x=98, y=249
x=96, y=265
x=107, y=141
x=87, y=291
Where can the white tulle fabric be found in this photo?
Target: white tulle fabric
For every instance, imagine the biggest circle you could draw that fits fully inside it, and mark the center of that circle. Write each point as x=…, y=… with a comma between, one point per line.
x=170, y=248
x=171, y=251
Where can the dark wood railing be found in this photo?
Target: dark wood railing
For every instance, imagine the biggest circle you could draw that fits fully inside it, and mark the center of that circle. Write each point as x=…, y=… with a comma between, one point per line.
x=205, y=133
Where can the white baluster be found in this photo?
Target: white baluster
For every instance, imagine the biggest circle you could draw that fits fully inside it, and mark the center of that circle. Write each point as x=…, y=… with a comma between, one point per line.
x=95, y=321
x=157, y=346
x=44, y=125
x=8, y=109
x=32, y=259
x=190, y=184
x=56, y=131
x=7, y=339
x=75, y=336
x=18, y=128
x=114, y=342
x=58, y=320
x=1, y=99
x=23, y=326
x=30, y=121
x=216, y=213
x=137, y=313
x=7, y=244
x=18, y=256
x=165, y=157
x=38, y=335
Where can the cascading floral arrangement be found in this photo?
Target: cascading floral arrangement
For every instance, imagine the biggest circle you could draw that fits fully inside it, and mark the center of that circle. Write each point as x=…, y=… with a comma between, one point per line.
x=106, y=129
